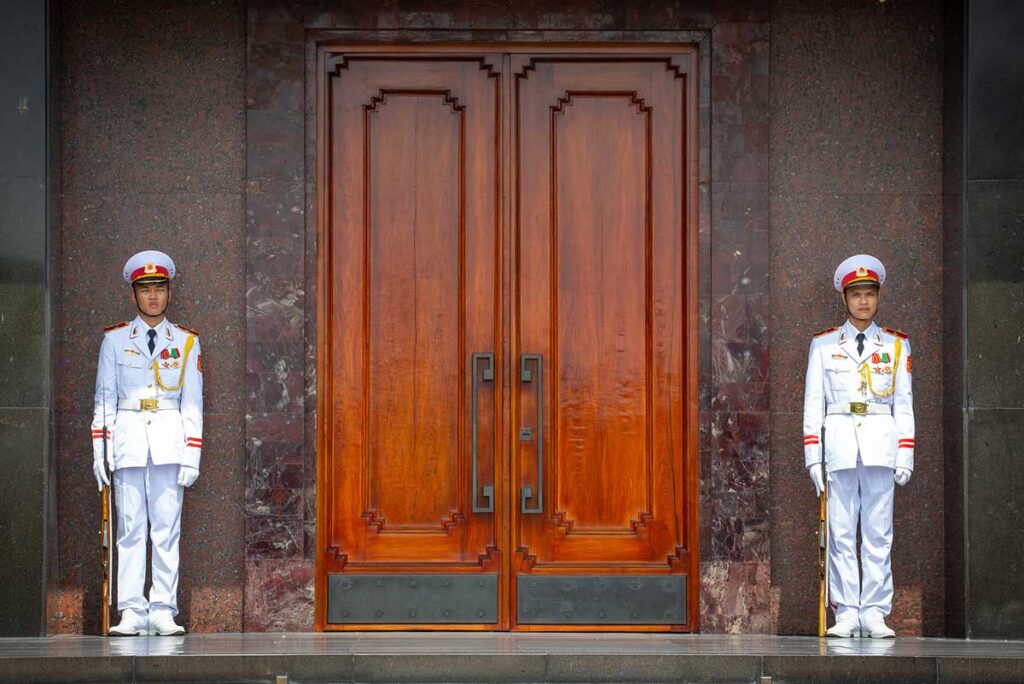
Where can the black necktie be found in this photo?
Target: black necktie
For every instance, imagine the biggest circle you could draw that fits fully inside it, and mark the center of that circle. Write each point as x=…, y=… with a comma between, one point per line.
x=152, y=339
x=860, y=344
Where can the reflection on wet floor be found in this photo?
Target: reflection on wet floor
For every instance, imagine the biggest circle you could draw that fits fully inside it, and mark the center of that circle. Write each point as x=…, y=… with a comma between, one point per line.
x=500, y=643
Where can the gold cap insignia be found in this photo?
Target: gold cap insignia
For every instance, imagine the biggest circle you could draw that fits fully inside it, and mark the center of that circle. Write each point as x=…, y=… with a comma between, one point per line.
x=149, y=268
x=860, y=271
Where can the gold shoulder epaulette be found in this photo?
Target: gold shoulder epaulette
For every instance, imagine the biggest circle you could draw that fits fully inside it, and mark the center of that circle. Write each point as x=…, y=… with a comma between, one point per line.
x=897, y=333
x=190, y=331
x=115, y=326
x=826, y=331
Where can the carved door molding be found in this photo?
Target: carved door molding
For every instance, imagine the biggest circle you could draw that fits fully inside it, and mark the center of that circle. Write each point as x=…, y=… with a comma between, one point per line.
x=507, y=337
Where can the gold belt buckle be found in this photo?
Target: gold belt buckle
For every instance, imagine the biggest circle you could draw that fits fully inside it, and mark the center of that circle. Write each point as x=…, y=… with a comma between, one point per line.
x=147, y=404
x=858, y=408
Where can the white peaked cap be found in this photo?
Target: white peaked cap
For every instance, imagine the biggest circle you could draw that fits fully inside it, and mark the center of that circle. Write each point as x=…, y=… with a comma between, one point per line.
x=148, y=265
x=859, y=269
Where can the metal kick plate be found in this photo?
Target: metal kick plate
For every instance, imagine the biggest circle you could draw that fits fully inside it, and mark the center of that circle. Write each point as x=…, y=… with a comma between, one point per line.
x=393, y=599
x=601, y=599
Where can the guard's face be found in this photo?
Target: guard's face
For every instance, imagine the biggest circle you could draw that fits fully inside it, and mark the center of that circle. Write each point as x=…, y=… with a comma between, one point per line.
x=861, y=301
x=152, y=298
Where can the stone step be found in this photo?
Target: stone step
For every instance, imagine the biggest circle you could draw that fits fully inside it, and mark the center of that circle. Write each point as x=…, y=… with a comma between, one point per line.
x=491, y=657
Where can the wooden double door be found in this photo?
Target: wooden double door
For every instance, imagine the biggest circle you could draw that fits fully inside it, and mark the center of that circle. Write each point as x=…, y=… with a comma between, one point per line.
x=507, y=340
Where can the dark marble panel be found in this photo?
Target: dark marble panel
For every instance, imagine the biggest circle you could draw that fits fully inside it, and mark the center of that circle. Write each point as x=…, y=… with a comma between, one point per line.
x=739, y=263
x=274, y=66
x=153, y=98
x=740, y=396
x=274, y=152
x=276, y=215
x=995, y=573
x=275, y=367
x=273, y=537
x=24, y=453
x=24, y=340
x=739, y=102
x=816, y=232
x=739, y=317
x=741, y=436
x=739, y=362
x=740, y=529
x=995, y=100
x=994, y=278
x=275, y=477
x=598, y=15
x=736, y=598
x=23, y=82
x=279, y=595
x=856, y=97
x=740, y=208
x=22, y=225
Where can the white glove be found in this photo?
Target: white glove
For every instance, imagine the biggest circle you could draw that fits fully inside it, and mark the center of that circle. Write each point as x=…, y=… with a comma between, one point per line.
x=187, y=475
x=100, y=473
x=901, y=476
x=817, y=477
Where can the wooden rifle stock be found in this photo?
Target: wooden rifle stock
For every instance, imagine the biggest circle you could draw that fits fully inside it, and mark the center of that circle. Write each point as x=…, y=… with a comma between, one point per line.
x=106, y=551
x=106, y=531
x=823, y=561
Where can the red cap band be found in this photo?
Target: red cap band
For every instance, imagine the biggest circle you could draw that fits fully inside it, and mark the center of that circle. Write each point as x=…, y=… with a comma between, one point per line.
x=153, y=271
x=861, y=275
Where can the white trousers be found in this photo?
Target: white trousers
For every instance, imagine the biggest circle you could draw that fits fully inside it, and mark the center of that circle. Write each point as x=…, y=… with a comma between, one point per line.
x=863, y=494
x=148, y=500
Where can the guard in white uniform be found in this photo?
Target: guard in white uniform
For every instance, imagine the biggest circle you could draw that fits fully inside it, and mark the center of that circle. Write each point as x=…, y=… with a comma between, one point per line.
x=149, y=382
x=858, y=402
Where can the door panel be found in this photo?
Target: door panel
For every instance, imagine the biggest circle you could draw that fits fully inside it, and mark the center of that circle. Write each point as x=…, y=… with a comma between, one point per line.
x=600, y=234
x=507, y=232
x=414, y=282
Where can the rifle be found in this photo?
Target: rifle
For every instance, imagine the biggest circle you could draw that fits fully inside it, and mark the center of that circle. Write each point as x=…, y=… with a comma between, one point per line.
x=823, y=546
x=106, y=548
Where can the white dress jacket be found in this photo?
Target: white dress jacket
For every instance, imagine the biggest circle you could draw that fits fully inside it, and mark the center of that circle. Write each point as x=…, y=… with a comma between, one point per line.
x=130, y=380
x=836, y=376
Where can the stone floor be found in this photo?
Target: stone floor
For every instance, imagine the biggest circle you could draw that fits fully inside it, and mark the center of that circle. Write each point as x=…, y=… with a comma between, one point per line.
x=467, y=657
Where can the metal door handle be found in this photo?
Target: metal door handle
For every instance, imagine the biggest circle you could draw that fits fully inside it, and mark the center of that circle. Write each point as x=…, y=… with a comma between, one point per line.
x=526, y=375
x=487, y=492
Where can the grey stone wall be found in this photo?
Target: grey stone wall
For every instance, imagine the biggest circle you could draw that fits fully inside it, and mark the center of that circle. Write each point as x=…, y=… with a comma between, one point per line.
x=992, y=409
x=25, y=329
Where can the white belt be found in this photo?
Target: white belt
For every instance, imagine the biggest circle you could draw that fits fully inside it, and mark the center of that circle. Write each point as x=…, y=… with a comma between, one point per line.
x=859, y=408
x=147, y=404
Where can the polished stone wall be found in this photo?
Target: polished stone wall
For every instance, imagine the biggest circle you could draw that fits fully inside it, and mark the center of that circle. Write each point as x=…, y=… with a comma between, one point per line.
x=993, y=320
x=153, y=127
x=192, y=129
x=856, y=163
x=27, y=546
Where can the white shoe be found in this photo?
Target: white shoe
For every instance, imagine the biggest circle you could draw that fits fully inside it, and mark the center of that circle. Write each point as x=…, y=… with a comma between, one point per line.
x=877, y=629
x=163, y=624
x=132, y=624
x=844, y=629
